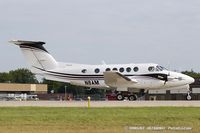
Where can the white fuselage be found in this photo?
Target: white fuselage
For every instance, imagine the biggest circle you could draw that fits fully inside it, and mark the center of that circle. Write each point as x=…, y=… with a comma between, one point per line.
x=120, y=76
x=85, y=75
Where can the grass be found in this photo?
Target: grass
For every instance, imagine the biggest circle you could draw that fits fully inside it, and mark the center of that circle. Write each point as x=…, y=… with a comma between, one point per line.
x=108, y=120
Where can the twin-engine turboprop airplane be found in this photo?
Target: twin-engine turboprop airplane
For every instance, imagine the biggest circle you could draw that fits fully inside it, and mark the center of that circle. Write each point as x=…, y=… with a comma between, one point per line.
x=121, y=77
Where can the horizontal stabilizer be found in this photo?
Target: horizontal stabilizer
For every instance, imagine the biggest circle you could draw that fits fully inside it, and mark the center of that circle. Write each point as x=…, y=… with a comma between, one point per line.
x=30, y=44
x=23, y=42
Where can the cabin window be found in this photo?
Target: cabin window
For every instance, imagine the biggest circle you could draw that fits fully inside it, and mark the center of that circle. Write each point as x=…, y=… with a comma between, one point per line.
x=151, y=68
x=128, y=69
x=135, y=69
x=121, y=69
x=107, y=69
x=97, y=70
x=84, y=71
x=114, y=69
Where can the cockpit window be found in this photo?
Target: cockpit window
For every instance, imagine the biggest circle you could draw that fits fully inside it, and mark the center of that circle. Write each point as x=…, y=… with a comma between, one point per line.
x=151, y=68
x=160, y=68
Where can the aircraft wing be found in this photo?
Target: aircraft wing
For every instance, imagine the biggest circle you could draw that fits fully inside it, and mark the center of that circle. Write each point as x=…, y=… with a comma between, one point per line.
x=114, y=79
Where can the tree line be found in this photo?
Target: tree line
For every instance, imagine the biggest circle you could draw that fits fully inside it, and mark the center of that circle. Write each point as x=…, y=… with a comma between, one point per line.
x=21, y=75
x=191, y=73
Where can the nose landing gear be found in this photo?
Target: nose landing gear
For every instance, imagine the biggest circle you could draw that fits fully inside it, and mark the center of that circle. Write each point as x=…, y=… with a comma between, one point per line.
x=189, y=96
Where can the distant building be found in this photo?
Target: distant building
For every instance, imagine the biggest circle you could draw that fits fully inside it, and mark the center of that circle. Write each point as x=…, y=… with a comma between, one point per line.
x=6, y=88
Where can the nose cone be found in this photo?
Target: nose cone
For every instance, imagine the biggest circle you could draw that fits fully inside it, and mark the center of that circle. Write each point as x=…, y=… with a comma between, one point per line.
x=179, y=79
x=189, y=79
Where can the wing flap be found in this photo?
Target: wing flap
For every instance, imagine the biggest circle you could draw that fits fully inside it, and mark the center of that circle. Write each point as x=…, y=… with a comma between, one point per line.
x=114, y=79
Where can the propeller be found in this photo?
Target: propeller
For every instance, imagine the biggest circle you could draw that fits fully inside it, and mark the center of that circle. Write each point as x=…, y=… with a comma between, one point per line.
x=166, y=78
x=163, y=77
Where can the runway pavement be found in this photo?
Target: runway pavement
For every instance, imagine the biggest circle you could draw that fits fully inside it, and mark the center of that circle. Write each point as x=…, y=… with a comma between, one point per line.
x=99, y=103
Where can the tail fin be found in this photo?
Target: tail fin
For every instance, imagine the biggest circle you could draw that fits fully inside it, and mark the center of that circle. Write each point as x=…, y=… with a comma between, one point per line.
x=37, y=56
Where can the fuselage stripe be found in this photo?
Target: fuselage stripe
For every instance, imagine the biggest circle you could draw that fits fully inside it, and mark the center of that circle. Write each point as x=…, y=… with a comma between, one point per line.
x=76, y=76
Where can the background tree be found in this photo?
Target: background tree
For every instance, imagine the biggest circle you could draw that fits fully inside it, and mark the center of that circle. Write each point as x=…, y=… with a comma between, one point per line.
x=18, y=76
x=59, y=87
x=77, y=91
x=4, y=77
x=22, y=76
x=192, y=74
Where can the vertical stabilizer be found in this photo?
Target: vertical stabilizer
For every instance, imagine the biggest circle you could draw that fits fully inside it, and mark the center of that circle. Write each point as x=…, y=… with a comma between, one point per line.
x=36, y=55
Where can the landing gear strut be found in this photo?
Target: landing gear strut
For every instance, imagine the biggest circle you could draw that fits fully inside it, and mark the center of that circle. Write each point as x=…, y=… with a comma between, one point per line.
x=189, y=96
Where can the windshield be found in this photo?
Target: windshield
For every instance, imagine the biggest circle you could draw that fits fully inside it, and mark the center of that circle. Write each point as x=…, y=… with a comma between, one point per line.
x=160, y=68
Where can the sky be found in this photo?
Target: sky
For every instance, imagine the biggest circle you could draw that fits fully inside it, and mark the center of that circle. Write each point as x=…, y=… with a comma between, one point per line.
x=166, y=32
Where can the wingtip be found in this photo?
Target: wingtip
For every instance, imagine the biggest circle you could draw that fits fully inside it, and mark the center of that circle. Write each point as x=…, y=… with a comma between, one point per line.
x=13, y=41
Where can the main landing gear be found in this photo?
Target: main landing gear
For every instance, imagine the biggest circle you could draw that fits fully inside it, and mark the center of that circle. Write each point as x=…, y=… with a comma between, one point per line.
x=131, y=97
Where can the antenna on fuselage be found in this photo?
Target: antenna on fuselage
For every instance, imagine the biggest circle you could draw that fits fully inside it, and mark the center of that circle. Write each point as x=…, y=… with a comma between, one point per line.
x=103, y=62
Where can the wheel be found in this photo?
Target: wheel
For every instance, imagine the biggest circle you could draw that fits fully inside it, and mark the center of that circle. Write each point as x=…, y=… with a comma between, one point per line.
x=120, y=97
x=132, y=97
x=189, y=97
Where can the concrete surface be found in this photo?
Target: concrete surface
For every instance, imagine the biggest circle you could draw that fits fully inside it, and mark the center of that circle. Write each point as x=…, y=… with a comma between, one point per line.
x=99, y=103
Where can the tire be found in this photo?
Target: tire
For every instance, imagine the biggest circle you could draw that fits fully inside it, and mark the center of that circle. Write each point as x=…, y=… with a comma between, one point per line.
x=188, y=97
x=132, y=98
x=120, y=97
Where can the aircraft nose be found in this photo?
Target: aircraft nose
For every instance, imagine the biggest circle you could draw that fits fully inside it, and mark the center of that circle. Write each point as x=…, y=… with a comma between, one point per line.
x=189, y=80
x=182, y=79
